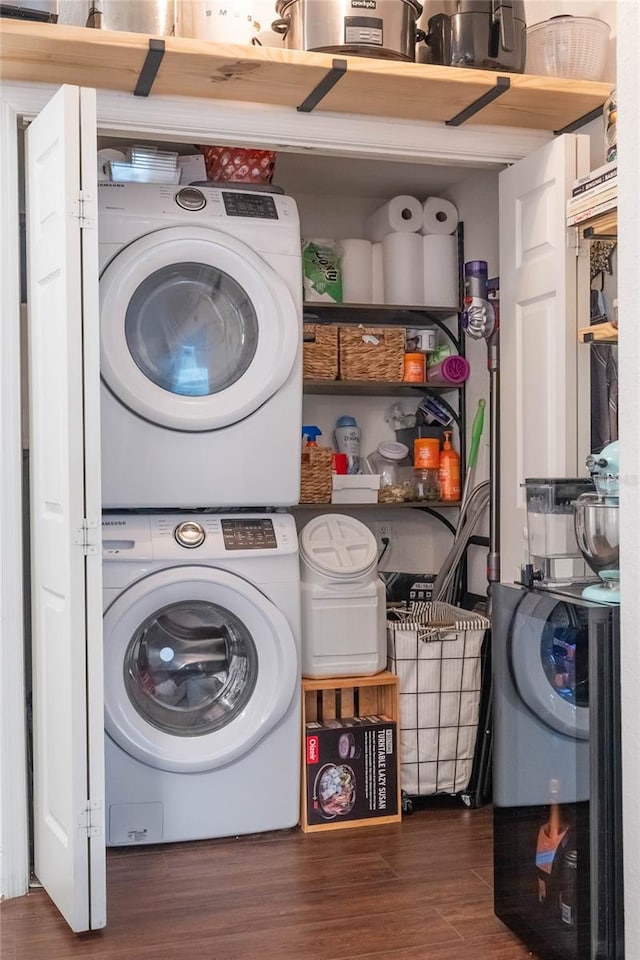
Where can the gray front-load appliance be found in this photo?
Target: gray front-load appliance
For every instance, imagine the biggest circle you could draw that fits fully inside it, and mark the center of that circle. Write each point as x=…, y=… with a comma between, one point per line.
x=557, y=814
x=541, y=698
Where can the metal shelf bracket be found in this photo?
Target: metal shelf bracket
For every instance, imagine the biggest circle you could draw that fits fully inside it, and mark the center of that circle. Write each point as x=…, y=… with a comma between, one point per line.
x=327, y=83
x=150, y=68
x=580, y=122
x=591, y=233
x=501, y=86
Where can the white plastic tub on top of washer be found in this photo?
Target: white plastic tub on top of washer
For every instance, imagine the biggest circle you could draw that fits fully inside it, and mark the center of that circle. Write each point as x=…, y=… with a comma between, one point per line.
x=343, y=599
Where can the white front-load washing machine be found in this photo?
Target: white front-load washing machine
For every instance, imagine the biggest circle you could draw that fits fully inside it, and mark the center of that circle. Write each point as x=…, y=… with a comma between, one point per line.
x=201, y=675
x=201, y=346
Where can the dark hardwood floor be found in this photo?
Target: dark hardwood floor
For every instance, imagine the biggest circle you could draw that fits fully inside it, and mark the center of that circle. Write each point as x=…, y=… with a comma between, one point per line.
x=420, y=890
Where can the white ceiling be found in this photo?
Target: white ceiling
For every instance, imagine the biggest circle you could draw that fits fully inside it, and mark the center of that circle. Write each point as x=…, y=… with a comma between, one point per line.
x=337, y=176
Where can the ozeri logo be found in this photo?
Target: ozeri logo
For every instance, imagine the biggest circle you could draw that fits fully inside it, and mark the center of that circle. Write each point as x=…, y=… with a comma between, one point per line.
x=313, y=752
x=364, y=4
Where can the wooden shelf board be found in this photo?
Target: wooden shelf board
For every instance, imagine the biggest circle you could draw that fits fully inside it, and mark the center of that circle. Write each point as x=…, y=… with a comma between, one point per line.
x=605, y=223
x=598, y=333
x=369, y=388
x=384, y=679
x=110, y=60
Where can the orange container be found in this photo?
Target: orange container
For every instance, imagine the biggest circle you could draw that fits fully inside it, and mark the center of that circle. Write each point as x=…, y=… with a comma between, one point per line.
x=414, y=368
x=426, y=453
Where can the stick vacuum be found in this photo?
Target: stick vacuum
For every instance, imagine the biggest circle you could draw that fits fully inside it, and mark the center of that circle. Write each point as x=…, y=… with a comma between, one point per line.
x=481, y=321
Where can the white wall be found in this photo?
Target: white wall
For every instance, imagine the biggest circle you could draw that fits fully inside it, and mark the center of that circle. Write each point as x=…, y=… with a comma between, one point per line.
x=628, y=87
x=13, y=788
x=418, y=543
x=477, y=200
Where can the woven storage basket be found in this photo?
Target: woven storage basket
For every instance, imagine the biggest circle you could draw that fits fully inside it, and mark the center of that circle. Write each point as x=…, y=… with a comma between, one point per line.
x=320, y=352
x=315, y=475
x=372, y=353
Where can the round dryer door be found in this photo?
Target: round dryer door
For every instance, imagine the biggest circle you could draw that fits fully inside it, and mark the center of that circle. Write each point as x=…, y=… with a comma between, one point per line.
x=549, y=662
x=197, y=330
x=199, y=666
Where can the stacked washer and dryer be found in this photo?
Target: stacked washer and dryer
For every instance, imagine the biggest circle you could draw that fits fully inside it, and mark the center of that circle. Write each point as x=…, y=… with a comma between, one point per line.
x=201, y=339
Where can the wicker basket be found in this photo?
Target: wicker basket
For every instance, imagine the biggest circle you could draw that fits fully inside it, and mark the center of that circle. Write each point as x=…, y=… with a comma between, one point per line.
x=315, y=475
x=380, y=359
x=320, y=351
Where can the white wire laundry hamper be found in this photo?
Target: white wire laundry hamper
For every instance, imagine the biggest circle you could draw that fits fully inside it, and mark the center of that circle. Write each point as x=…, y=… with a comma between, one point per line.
x=436, y=651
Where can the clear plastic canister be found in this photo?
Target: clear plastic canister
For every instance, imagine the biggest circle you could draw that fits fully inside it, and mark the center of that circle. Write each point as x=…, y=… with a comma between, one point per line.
x=426, y=484
x=387, y=460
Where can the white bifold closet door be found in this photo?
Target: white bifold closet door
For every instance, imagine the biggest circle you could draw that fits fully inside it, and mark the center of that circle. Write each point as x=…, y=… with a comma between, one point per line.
x=64, y=371
x=544, y=298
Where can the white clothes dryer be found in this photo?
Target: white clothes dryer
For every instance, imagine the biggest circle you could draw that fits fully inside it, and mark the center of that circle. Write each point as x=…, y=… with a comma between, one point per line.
x=201, y=675
x=201, y=346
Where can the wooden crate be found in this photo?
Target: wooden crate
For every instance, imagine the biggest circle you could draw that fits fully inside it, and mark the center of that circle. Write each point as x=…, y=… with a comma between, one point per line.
x=338, y=697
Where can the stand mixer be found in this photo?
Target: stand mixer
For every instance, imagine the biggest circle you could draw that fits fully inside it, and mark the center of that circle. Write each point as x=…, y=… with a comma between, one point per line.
x=597, y=525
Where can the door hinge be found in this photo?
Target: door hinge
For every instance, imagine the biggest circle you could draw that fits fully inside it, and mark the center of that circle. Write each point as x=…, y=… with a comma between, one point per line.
x=84, y=210
x=90, y=818
x=87, y=537
x=574, y=240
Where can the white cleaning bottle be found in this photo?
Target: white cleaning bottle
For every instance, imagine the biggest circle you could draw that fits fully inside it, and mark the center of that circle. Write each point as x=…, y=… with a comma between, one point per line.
x=347, y=434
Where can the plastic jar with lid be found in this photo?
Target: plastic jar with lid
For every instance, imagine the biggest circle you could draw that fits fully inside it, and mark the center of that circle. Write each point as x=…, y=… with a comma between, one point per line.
x=387, y=461
x=426, y=483
x=426, y=452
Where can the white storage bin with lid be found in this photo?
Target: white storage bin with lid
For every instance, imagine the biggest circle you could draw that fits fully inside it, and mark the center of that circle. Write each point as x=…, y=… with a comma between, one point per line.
x=343, y=599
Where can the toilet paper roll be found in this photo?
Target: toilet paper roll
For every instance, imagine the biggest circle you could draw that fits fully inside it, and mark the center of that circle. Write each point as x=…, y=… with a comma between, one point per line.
x=402, y=261
x=402, y=214
x=440, y=270
x=357, y=271
x=439, y=216
x=104, y=157
x=377, y=272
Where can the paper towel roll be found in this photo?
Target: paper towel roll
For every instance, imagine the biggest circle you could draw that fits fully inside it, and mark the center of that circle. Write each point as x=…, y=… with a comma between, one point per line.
x=104, y=157
x=440, y=269
x=403, y=268
x=438, y=216
x=377, y=272
x=357, y=271
x=401, y=214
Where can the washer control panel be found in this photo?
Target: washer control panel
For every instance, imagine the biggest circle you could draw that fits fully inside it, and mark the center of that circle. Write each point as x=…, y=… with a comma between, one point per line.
x=249, y=535
x=189, y=534
x=196, y=538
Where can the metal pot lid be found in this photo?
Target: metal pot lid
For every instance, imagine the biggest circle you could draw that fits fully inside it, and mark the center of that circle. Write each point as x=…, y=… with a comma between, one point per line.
x=339, y=546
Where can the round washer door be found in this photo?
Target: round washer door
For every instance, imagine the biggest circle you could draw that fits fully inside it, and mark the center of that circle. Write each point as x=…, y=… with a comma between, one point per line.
x=197, y=331
x=549, y=663
x=199, y=666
